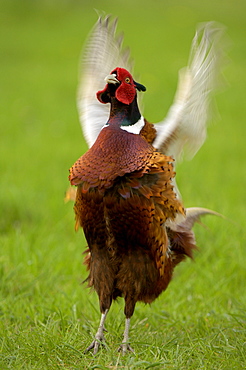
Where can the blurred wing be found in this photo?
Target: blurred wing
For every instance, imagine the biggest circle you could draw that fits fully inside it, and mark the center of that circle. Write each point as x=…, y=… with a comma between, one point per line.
x=102, y=53
x=185, y=124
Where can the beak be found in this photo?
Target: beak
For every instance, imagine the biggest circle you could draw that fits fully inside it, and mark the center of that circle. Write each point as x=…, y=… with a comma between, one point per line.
x=111, y=79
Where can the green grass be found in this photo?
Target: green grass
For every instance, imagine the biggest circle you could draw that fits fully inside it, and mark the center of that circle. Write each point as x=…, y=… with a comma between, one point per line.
x=47, y=317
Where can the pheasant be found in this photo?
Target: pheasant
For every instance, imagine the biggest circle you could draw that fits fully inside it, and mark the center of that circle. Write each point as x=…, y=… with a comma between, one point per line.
x=127, y=200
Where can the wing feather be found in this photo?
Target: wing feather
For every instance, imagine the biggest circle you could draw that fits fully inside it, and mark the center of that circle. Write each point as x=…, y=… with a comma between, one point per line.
x=102, y=53
x=185, y=126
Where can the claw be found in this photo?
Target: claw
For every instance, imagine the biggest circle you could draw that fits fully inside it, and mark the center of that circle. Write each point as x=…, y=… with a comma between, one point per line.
x=95, y=345
x=125, y=347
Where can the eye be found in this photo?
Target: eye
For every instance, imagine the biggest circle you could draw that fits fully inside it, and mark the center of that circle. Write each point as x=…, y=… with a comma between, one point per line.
x=127, y=80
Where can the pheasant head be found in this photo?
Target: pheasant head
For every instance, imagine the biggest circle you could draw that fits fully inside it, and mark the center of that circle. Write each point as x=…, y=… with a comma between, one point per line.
x=121, y=92
x=121, y=86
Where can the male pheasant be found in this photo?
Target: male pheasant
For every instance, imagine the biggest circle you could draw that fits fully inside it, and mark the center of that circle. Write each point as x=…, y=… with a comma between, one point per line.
x=127, y=201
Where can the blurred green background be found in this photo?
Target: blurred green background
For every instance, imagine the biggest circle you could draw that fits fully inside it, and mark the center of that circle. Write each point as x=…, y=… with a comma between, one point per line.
x=40, y=138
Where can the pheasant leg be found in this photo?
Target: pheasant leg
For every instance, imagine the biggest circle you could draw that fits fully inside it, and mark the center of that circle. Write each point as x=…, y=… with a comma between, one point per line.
x=99, y=337
x=125, y=346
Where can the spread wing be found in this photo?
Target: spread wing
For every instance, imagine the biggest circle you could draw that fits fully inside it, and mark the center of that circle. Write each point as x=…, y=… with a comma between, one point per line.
x=185, y=126
x=102, y=53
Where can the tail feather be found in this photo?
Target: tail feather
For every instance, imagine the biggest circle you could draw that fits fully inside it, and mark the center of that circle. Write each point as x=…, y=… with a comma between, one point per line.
x=194, y=214
x=181, y=237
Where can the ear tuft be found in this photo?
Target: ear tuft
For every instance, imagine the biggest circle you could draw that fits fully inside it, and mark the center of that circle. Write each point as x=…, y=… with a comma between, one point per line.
x=139, y=86
x=103, y=96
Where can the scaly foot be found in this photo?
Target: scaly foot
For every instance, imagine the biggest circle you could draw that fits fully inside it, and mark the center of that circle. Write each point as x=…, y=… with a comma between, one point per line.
x=124, y=347
x=99, y=340
x=99, y=337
